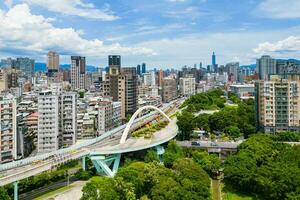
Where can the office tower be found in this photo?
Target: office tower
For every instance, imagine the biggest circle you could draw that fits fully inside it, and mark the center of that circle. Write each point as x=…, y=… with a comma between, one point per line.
x=78, y=73
x=128, y=91
x=26, y=65
x=213, y=59
x=8, y=128
x=214, y=65
x=169, y=91
x=8, y=63
x=138, y=70
x=110, y=86
x=265, y=66
x=160, y=78
x=277, y=104
x=57, y=123
x=68, y=117
x=232, y=69
x=286, y=67
x=143, y=68
x=114, y=61
x=187, y=86
x=52, y=63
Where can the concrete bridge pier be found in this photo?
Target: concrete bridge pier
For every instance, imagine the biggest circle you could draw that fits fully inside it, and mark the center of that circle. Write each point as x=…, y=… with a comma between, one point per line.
x=108, y=165
x=160, y=151
x=83, y=162
x=15, y=184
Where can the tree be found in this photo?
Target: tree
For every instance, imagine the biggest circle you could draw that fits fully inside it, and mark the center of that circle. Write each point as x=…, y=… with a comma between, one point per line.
x=100, y=188
x=202, y=122
x=166, y=189
x=194, y=180
x=209, y=162
x=151, y=156
x=185, y=125
x=172, y=153
x=232, y=131
x=3, y=194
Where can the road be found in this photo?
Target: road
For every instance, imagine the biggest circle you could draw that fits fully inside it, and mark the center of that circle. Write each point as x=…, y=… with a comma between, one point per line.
x=210, y=144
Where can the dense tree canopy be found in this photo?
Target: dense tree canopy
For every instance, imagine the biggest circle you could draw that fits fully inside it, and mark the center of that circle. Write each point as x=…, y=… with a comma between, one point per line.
x=265, y=167
x=233, y=121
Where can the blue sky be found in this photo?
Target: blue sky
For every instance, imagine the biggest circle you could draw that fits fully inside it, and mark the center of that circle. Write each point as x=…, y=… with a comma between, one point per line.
x=162, y=33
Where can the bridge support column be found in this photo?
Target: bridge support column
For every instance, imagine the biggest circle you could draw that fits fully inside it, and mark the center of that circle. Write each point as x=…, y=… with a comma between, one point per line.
x=15, y=184
x=83, y=162
x=108, y=165
x=160, y=151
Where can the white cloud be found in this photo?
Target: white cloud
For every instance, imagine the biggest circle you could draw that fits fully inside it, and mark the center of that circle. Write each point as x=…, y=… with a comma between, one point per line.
x=289, y=44
x=76, y=8
x=278, y=9
x=21, y=31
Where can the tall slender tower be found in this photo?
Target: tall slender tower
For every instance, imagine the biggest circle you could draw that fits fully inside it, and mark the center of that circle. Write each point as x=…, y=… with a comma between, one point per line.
x=52, y=61
x=213, y=59
x=78, y=74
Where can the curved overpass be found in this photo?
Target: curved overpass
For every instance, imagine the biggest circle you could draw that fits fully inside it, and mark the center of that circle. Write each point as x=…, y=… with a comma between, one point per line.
x=136, y=144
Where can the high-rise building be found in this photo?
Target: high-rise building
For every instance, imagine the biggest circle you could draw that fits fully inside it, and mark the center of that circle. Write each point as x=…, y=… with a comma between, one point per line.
x=149, y=78
x=68, y=117
x=114, y=61
x=187, y=86
x=232, y=69
x=105, y=116
x=48, y=122
x=52, y=63
x=286, y=67
x=78, y=73
x=110, y=86
x=169, y=90
x=160, y=78
x=57, y=122
x=213, y=59
x=26, y=65
x=127, y=85
x=277, y=104
x=138, y=70
x=265, y=66
x=8, y=130
x=143, y=68
x=3, y=80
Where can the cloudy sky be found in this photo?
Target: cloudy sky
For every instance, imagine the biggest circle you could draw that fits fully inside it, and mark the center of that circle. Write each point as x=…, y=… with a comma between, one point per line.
x=162, y=33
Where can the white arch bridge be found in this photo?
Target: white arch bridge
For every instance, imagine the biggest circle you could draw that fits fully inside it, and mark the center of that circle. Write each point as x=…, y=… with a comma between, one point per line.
x=104, y=151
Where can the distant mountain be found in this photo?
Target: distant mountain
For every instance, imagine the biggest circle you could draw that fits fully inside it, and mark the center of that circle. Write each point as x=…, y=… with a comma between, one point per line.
x=251, y=66
x=41, y=67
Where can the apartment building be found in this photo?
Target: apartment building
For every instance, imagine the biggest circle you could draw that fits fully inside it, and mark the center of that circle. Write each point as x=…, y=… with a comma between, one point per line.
x=8, y=130
x=69, y=118
x=277, y=104
x=169, y=90
x=57, y=122
x=187, y=85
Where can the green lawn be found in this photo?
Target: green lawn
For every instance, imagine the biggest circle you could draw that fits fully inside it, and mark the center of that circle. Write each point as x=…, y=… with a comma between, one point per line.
x=49, y=194
x=234, y=196
x=229, y=193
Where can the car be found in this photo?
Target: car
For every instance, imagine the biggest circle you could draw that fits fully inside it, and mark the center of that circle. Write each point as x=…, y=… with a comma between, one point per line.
x=194, y=143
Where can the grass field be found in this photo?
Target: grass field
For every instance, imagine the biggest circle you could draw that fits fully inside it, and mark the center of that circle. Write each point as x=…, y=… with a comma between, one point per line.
x=234, y=196
x=228, y=193
x=49, y=194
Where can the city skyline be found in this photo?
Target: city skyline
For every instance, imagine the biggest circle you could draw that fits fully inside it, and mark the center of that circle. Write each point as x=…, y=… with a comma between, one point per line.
x=185, y=29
